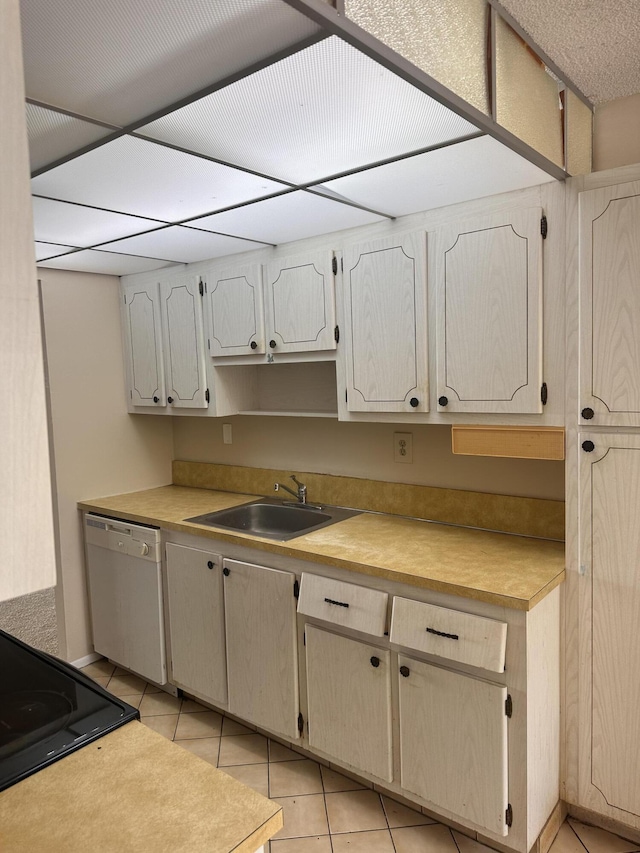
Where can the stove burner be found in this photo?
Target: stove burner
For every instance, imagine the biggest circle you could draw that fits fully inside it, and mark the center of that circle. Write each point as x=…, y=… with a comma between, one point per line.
x=28, y=716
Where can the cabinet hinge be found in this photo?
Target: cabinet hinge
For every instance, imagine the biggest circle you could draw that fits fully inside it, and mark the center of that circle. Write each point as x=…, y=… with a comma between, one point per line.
x=206, y=395
x=208, y=343
x=131, y=393
x=296, y=589
x=336, y=334
x=124, y=298
x=201, y=287
x=334, y=266
x=508, y=705
x=304, y=638
x=346, y=396
x=341, y=264
x=544, y=228
x=300, y=723
x=543, y=393
x=508, y=815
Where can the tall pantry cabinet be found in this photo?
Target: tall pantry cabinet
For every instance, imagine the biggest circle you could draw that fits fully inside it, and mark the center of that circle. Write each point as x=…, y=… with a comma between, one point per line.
x=603, y=502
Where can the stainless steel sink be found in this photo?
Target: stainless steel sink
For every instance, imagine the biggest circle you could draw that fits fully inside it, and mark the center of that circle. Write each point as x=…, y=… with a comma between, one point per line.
x=274, y=519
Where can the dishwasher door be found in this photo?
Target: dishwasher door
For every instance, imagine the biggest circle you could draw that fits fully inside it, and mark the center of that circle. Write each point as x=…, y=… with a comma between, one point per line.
x=125, y=593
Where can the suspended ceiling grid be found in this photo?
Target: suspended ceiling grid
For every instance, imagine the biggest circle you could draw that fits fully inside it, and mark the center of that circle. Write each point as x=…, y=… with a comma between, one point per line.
x=290, y=134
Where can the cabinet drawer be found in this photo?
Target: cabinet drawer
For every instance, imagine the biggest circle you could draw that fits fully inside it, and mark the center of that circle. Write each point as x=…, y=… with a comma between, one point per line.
x=449, y=634
x=345, y=604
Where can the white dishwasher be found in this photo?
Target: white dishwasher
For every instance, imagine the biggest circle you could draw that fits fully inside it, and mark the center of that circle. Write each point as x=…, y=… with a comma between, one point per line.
x=125, y=593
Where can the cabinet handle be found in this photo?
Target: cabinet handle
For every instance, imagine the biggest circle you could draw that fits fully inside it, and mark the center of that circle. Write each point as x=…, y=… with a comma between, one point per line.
x=156, y=399
x=337, y=603
x=587, y=413
x=210, y=564
x=272, y=344
x=226, y=572
x=414, y=402
x=442, y=634
x=443, y=401
x=169, y=399
x=375, y=662
x=404, y=671
x=253, y=345
x=588, y=446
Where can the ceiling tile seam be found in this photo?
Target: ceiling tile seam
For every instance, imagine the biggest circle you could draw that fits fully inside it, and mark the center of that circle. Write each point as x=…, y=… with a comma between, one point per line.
x=326, y=16
x=347, y=203
x=187, y=100
x=53, y=243
x=104, y=209
x=62, y=111
x=225, y=234
x=97, y=246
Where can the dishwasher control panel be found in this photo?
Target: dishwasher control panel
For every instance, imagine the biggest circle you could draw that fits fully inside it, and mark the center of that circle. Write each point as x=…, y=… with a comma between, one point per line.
x=134, y=540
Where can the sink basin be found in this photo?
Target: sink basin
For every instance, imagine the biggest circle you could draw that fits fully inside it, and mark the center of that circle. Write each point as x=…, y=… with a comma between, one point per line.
x=274, y=519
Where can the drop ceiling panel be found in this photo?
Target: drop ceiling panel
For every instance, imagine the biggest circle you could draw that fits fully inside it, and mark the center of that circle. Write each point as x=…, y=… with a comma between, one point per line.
x=50, y=250
x=53, y=135
x=324, y=110
x=58, y=222
x=461, y=172
x=121, y=60
x=185, y=245
x=108, y=263
x=287, y=217
x=134, y=176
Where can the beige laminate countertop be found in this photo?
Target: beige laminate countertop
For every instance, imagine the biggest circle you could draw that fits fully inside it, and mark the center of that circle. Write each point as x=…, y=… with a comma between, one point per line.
x=133, y=791
x=511, y=571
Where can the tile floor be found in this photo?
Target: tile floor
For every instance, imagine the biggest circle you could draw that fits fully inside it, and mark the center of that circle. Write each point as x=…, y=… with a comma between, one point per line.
x=324, y=811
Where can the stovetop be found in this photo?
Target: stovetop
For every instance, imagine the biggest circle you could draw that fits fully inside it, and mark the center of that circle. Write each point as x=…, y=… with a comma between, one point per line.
x=48, y=709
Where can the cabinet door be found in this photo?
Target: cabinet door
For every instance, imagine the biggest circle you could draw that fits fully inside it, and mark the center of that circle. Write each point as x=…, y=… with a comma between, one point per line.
x=184, y=342
x=143, y=344
x=453, y=742
x=386, y=325
x=234, y=311
x=489, y=314
x=300, y=304
x=610, y=305
x=262, y=659
x=609, y=782
x=349, y=696
x=196, y=621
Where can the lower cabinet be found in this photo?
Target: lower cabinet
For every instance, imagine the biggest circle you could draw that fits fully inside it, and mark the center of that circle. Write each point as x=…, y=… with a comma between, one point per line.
x=453, y=742
x=349, y=701
x=262, y=656
x=196, y=621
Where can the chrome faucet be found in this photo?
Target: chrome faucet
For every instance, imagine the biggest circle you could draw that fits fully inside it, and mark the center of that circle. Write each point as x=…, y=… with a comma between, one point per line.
x=300, y=495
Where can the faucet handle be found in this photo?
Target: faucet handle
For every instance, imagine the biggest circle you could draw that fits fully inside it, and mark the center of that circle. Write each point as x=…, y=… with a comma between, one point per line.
x=296, y=481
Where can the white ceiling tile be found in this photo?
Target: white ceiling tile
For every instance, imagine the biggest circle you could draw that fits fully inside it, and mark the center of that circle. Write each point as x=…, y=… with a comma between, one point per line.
x=125, y=59
x=109, y=263
x=324, y=110
x=287, y=217
x=461, y=172
x=53, y=135
x=184, y=245
x=57, y=222
x=134, y=176
x=50, y=250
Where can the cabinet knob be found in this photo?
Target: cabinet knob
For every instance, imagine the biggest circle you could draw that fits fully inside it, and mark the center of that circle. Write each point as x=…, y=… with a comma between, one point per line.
x=253, y=345
x=375, y=662
x=156, y=399
x=443, y=401
x=587, y=413
x=404, y=671
x=272, y=344
x=210, y=564
x=414, y=402
x=226, y=572
x=169, y=399
x=588, y=446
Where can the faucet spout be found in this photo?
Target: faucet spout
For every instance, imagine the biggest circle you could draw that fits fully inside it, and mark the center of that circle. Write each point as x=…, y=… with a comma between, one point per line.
x=300, y=495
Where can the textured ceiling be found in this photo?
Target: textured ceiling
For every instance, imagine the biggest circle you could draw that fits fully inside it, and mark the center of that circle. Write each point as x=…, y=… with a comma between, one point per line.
x=595, y=42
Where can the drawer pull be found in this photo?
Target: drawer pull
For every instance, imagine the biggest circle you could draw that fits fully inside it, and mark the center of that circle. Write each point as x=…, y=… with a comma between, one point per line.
x=442, y=634
x=404, y=671
x=337, y=603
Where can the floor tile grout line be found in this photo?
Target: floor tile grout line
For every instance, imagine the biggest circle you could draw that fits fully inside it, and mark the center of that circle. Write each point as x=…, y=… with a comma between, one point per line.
x=386, y=817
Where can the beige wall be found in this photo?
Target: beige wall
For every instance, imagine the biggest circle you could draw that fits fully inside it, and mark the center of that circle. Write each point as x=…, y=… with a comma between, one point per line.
x=98, y=448
x=616, y=133
x=362, y=450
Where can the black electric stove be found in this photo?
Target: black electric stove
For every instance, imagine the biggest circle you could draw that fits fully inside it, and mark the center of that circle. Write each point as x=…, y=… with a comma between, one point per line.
x=48, y=709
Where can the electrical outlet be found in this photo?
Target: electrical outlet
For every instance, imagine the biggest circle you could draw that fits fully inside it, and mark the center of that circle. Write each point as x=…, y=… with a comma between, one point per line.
x=402, y=447
x=226, y=434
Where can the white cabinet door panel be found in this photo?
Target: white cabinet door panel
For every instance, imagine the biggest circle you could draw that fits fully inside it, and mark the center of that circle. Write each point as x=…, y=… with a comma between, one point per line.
x=143, y=340
x=610, y=305
x=184, y=342
x=386, y=325
x=453, y=742
x=234, y=311
x=300, y=304
x=489, y=315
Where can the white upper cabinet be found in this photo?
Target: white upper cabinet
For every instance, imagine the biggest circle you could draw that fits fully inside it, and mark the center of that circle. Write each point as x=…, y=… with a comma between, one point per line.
x=234, y=314
x=610, y=305
x=489, y=314
x=143, y=340
x=300, y=303
x=386, y=324
x=185, y=365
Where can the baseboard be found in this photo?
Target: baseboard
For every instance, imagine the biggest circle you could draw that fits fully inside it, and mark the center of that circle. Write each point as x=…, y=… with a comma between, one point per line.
x=86, y=660
x=550, y=829
x=603, y=822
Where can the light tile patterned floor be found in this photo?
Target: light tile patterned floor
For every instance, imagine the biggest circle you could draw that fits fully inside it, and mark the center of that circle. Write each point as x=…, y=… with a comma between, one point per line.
x=324, y=811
